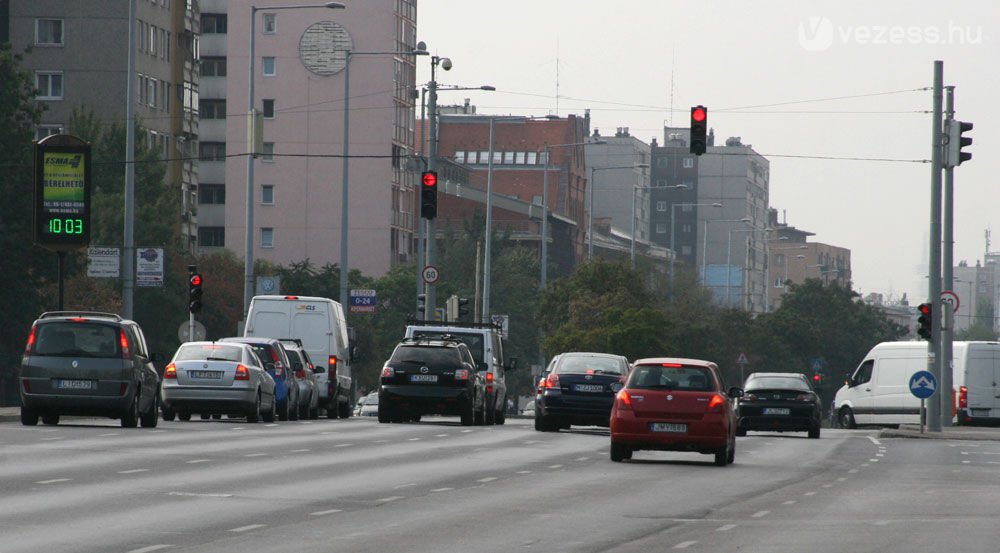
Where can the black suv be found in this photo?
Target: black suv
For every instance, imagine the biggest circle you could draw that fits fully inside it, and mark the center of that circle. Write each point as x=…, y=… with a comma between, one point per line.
x=431, y=376
x=88, y=364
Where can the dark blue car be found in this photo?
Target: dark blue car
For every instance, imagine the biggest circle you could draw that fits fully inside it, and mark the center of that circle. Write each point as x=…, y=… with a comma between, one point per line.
x=286, y=387
x=578, y=389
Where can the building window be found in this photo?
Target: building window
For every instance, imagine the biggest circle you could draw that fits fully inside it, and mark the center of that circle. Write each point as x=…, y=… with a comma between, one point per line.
x=212, y=151
x=212, y=109
x=213, y=66
x=212, y=194
x=267, y=237
x=268, y=109
x=41, y=131
x=213, y=23
x=497, y=158
x=269, y=68
x=484, y=157
x=508, y=158
x=267, y=194
x=460, y=156
x=661, y=228
x=662, y=162
x=49, y=85
x=49, y=32
x=270, y=23
x=532, y=158
x=212, y=237
x=519, y=158
x=268, y=153
x=688, y=162
x=661, y=206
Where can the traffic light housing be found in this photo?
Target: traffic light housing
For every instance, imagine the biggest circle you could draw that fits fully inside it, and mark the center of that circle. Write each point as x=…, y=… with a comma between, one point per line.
x=428, y=194
x=463, y=307
x=954, y=156
x=699, y=130
x=421, y=305
x=194, y=290
x=924, y=320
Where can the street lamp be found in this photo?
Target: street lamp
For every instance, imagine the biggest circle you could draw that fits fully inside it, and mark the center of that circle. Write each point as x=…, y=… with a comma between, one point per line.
x=729, y=253
x=431, y=296
x=673, y=218
x=632, y=232
x=251, y=116
x=704, y=244
x=590, y=211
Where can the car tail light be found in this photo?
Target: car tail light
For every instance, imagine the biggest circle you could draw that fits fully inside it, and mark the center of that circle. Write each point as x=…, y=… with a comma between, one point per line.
x=170, y=371
x=78, y=320
x=300, y=374
x=388, y=372
x=31, y=341
x=489, y=378
x=461, y=374
x=963, y=397
x=291, y=297
x=672, y=365
x=332, y=364
x=123, y=339
x=624, y=401
x=715, y=404
x=242, y=372
x=552, y=382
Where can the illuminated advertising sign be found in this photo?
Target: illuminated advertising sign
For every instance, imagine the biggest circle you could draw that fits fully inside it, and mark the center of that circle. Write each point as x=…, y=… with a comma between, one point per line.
x=62, y=194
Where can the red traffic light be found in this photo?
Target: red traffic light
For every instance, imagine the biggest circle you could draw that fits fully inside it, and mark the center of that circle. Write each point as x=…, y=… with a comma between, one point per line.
x=430, y=178
x=924, y=308
x=196, y=280
x=816, y=378
x=698, y=114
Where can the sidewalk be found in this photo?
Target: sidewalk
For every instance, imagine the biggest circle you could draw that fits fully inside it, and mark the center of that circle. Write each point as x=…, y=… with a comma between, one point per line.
x=946, y=433
x=10, y=414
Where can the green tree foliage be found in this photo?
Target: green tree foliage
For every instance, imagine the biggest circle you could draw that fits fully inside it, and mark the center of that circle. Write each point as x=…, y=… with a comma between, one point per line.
x=982, y=325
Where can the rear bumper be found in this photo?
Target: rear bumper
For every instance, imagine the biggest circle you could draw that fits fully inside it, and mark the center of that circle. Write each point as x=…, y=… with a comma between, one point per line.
x=778, y=422
x=79, y=403
x=701, y=436
x=425, y=400
x=576, y=410
x=208, y=400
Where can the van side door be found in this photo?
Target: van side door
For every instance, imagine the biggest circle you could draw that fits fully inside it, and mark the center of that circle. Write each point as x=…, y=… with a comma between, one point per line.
x=860, y=393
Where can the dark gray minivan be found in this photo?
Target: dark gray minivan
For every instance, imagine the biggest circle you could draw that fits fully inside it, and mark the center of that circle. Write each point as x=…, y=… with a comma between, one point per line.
x=87, y=363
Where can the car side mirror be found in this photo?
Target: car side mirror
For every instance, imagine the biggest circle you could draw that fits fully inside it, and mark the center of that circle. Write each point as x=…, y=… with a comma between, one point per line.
x=736, y=392
x=319, y=370
x=482, y=366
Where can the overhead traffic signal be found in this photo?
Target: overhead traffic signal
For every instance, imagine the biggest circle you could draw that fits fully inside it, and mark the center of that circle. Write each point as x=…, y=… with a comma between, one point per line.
x=699, y=130
x=954, y=156
x=428, y=194
x=194, y=290
x=924, y=320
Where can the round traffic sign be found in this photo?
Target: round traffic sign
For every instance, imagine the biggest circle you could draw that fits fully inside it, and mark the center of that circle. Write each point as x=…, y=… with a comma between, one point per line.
x=923, y=384
x=949, y=296
x=430, y=274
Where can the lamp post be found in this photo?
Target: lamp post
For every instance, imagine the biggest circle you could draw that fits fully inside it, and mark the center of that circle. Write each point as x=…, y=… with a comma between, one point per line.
x=251, y=118
x=704, y=244
x=632, y=231
x=590, y=195
x=673, y=219
x=729, y=253
x=431, y=295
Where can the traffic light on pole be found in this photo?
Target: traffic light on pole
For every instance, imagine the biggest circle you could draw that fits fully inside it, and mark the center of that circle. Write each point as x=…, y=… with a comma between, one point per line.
x=924, y=320
x=429, y=194
x=699, y=130
x=421, y=305
x=194, y=290
x=463, y=307
x=954, y=154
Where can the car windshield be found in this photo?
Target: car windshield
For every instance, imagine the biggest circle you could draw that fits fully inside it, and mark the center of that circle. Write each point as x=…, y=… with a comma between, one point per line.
x=77, y=339
x=671, y=378
x=590, y=365
x=474, y=341
x=777, y=383
x=209, y=352
x=428, y=355
x=371, y=400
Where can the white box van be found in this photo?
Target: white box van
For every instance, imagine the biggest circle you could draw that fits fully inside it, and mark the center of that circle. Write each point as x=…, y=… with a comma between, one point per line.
x=320, y=324
x=878, y=391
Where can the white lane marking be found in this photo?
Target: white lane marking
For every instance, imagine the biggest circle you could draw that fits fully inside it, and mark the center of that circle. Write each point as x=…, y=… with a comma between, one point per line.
x=808, y=494
x=966, y=462
x=439, y=490
x=410, y=485
x=300, y=450
x=874, y=441
x=789, y=502
x=465, y=431
x=53, y=481
x=524, y=472
x=390, y=498
x=150, y=548
x=827, y=485
x=985, y=452
x=487, y=479
x=441, y=435
x=725, y=528
x=852, y=471
x=247, y=528
x=380, y=441
x=190, y=494
x=326, y=512
x=873, y=460
x=272, y=425
x=555, y=466
x=865, y=464
x=965, y=453
x=880, y=454
x=413, y=440
x=106, y=435
x=684, y=544
x=842, y=479
x=239, y=428
x=132, y=471
x=582, y=459
x=881, y=522
x=760, y=514
x=255, y=454
x=343, y=445
x=195, y=461
x=50, y=439
x=530, y=442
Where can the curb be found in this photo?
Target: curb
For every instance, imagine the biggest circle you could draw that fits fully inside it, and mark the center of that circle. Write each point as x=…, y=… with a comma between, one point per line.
x=957, y=433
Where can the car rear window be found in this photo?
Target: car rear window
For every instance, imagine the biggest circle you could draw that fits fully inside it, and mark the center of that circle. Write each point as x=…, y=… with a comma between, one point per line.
x=427, y=355
x=474, y=341
x=82, y=339
x=209, y=352
x=590, y=365
x=294, y=357
x=777, y=383
x=695, y=379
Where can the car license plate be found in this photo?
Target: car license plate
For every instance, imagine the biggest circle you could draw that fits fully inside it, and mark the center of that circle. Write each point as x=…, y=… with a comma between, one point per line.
x=423, y=378
x=776, y=411
x=588, y=388
x=668, y=427
x=206, y=374
x=76, y=384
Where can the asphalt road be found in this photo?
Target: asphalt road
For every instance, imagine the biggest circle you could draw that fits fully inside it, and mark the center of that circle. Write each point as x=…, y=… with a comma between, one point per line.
x=357, y=486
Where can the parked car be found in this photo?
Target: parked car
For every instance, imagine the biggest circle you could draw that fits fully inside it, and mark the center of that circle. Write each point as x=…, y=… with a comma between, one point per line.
x=305, y=375
x=579, y=389
x=674, y=404
x=89, y=364
x=286, y=386
x=781, y=402
x=370, y=406
x=529, y=409
x=216, y=378
x=427, y=376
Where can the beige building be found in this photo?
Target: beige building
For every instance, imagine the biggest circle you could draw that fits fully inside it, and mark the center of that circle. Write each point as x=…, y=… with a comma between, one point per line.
x=793, y=259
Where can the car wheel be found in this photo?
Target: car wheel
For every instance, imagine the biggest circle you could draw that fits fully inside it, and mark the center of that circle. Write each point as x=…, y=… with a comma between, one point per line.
x=50, y=420
x=384, y=415
x=479, y=417
x=272, y=412
x=168, y=414
x=344, y=410
x=150, y=418
x=846, y=418
x=184, y=416
x=314, y=413
x=283, y=410
x=130, y=419
x=732, y=453
x=741, y=431
x=468, y=413
x=253, y=415
x=304, y=410
x=620, y=452
x=490, y=416
x=28, y=417
x=722, y=455
x=814, y=432
x=415, y=418
x=501, y=416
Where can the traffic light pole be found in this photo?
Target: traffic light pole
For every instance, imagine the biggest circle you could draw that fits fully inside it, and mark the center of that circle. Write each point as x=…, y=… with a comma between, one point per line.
x=934, y=292
x=948, y=277
x=431, y=290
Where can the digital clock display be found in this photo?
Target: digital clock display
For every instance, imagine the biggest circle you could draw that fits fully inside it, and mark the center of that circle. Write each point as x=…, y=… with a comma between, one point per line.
x=62, y=196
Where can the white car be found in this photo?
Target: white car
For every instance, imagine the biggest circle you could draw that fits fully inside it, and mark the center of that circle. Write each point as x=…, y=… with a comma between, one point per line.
x=370, y=406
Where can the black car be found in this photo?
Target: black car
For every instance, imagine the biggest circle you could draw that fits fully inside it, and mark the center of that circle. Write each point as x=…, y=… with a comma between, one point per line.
x=431, y=376
x=87, y=363
x=782, y=402
x=578, y=389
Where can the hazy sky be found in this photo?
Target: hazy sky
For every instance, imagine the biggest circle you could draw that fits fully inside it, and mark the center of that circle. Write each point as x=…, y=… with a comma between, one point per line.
x=775, y=73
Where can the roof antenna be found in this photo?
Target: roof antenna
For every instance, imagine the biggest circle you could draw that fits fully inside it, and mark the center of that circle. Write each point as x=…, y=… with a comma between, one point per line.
x=670, y=118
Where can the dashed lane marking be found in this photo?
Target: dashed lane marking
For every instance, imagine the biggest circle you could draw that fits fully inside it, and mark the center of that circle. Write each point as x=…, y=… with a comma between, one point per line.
x=132, y=471
x=150, y=548
x=439, y=490
x=809, y=494
x=725, y=528
x=684, y=544
x=255, y=454
x=196, y=461
x=760, y=514
x=874, y=441
x=53, y=481
x=247, y=528
x=487, y=479
x=555, y=466
x=326, y=512
x=789, y=502
x=391, y=498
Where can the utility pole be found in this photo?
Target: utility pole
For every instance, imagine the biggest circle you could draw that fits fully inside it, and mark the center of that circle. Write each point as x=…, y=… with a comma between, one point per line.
x=128, y=265
x=948, y=276
x=934, y=270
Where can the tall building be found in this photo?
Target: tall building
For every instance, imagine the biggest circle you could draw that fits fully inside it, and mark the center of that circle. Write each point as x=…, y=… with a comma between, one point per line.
x=300, y=78
x=618, y=169
x=674, y=199
x=793, y=259
x=78, y=54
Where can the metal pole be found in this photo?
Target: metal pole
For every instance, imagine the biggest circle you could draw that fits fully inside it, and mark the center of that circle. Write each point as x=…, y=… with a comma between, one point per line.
x=673, y=253
x=729, y=270
x=431, y=303
x=128, y=264
x=947, y=266
x=545, y=218
x=933, y=348
x=479, y=255
x=248, y=253
x=420, y=261
x=632, y=245
x=488, y=235
x=704, y=255
x=345, y=189
x=590, y=217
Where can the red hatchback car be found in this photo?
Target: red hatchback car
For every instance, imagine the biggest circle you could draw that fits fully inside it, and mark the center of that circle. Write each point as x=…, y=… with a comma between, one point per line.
x=673, y=404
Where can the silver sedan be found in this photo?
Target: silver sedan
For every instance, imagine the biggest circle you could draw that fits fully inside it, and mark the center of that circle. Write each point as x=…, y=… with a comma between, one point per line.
x=217, y=378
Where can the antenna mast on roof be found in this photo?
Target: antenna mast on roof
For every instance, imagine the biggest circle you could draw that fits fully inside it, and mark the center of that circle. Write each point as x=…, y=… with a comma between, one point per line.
x=557, y=77
x=670, y=116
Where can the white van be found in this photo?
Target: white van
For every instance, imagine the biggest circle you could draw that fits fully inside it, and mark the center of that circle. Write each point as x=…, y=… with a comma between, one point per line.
x=878, y=391
x=320, y=324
